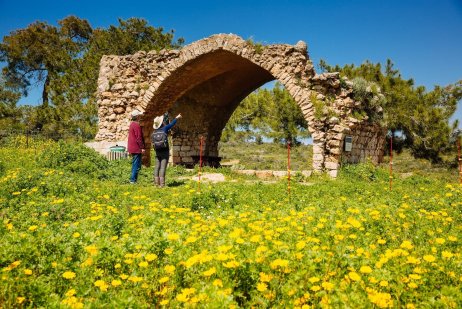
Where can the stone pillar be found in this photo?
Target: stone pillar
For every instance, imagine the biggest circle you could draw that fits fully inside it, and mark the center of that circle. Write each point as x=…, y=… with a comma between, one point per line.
x=187, y=145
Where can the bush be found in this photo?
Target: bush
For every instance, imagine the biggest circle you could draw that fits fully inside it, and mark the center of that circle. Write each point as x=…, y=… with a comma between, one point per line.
x=213, y=199
x=2, y=168
x=76, y=158
x=363, y=171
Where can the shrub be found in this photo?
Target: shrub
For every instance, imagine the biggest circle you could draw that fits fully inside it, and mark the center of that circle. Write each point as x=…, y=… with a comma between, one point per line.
x=2, y=168
x=207, y=201
x=73, y=157
x=363, y=171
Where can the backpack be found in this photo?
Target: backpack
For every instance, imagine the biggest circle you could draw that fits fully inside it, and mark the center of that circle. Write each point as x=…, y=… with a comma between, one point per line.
x=159, y=140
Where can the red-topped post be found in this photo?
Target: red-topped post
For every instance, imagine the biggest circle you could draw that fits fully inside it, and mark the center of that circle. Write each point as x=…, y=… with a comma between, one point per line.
x=459, y=160
x=391, y=161
x=200, y=161
x=288, y=169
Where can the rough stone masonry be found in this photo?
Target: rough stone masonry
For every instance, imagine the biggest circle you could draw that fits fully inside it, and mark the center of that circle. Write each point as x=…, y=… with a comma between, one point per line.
x=206, y=80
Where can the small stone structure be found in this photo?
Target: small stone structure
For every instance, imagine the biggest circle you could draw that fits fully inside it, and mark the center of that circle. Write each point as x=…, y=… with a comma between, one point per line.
x=206, y=80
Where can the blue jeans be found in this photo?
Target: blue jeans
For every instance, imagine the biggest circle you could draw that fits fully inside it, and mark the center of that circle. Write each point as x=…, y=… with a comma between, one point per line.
x=136, y=166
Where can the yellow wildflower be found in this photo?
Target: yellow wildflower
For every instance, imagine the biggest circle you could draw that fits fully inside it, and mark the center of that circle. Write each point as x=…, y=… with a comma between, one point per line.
x=354, y=276
x=265, y=278
x=315, y=288
x=210, y=272
x=447, y=254
x=328, y=286
x=101, y=284
x=143, y=264
x=231, y=264
x=261, y=287
x=169, y=269
x=429, y=258
x=365, y=270
x=173, y=236
x=314, y=279
x=406, y=245
x=92, y=249
x=68, y=275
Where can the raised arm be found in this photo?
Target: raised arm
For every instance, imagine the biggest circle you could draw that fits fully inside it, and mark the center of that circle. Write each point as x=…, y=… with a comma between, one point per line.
x=171, y=124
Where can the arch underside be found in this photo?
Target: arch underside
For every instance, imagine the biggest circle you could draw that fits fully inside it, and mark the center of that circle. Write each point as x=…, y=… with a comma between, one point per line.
x=206, y=92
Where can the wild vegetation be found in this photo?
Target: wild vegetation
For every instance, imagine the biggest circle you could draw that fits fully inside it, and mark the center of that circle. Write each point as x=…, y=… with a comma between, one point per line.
x=63, y=62
x=75, y=234
x=420, y=117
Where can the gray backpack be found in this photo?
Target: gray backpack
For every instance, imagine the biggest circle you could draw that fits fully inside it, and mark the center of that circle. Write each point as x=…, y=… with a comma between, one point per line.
x=159, y=140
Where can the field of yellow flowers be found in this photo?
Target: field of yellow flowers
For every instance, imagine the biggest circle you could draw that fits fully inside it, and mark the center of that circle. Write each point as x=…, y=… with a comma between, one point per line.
x=74, y=239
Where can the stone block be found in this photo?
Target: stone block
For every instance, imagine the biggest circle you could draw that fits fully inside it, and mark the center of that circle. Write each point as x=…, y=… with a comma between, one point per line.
x=187, y=160
x=331, y=165
x=336, y=151
x=280, y=174
x=333, y=173
x=264, y=174
x=318, y=157
x=246, y=172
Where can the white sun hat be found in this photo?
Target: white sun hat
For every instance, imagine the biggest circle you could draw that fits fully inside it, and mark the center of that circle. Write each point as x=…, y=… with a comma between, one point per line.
x=158, y=122
x=136, y=112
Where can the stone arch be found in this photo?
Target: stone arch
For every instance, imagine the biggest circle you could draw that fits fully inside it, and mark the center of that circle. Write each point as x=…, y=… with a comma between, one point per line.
x=206, y=82
x=207, y=79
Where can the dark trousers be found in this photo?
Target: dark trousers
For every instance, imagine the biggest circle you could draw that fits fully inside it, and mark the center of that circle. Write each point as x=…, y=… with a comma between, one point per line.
x=161, y=162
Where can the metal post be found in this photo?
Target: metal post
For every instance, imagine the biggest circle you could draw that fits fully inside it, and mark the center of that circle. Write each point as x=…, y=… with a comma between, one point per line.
x=200, y=162
x=288, y=169
x=460, y=162
x=391, y=160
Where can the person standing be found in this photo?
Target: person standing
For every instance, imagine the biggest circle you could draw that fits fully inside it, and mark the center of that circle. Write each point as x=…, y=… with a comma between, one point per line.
x=159, y=140
x=135, y=144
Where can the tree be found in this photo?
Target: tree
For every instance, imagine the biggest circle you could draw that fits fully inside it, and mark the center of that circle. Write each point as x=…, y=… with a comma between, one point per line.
x=9, y=113
x=267, y=113
x=422, y=117
x=40, y=54
x=285, y=118
x=64, y=61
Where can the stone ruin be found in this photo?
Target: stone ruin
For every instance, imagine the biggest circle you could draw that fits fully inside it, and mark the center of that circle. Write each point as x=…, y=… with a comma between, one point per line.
x=205, y=82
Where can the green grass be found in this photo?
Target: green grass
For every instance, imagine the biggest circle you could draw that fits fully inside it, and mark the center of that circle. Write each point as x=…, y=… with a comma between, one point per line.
x=267, y=156
x=404, y=165
x=74, y=239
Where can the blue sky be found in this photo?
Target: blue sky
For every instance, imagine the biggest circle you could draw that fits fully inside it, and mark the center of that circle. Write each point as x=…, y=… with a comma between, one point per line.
x=423, y=38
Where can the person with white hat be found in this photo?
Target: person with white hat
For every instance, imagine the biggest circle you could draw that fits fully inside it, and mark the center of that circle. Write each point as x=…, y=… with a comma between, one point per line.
x=135, y=144
x=159, y=140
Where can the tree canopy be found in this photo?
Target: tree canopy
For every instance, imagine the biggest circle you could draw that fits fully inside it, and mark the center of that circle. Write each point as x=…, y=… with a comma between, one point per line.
x=421, y=116
x=271, y=114
x=64, y=61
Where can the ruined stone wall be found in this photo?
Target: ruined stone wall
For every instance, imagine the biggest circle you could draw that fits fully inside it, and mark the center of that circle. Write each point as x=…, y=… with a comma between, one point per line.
x=206, y=80
x=368, y=144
